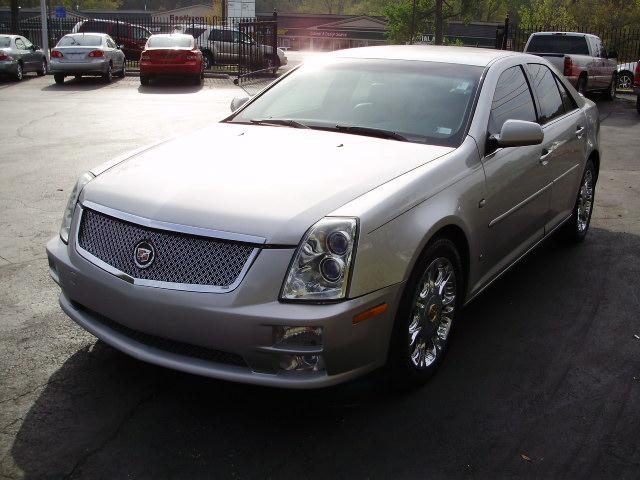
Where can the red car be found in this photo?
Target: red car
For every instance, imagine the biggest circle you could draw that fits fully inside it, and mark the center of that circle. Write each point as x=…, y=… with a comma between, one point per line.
x=172, y=54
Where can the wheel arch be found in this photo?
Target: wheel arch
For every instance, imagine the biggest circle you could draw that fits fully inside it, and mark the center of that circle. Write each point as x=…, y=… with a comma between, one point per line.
x=594, y=156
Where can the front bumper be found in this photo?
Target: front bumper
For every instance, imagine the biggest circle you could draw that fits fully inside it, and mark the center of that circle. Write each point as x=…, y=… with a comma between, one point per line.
x=93, y=67
x=239, y=323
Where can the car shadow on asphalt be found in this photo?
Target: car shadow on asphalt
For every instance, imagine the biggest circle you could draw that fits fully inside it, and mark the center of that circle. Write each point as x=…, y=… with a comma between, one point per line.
x=83, y=84
x=170, y=85
x=541, y=365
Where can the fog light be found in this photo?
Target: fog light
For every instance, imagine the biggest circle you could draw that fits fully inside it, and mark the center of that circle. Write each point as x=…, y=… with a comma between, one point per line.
x=301, y=363
x=297, y=336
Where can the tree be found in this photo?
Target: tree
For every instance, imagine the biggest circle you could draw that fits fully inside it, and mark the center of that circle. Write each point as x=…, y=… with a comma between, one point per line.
x=547, y=13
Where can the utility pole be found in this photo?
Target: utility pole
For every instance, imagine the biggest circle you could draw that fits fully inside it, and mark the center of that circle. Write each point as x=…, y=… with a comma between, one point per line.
x=15, y=16
x=438, y=23
x=45, y=29
x=413, y=22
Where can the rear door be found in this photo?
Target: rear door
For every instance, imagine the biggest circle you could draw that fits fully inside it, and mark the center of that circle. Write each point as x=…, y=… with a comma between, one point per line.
x=564, y=144
x=518, y=185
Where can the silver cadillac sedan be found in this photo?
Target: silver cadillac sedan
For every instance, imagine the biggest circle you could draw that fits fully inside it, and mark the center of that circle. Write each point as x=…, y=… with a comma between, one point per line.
x=405, y=181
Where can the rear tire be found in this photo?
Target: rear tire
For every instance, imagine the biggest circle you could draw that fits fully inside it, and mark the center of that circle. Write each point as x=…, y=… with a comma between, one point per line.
x=576, y=228
x=107, y=77
x=43, y=69
x=59, y=78
x=426, y=315
x=19, y=75
x=638, y=103
x=610, y=92
x=144, y=80
x=197, y=79
x=207, y=60
x=625, y=80
x=582, y=85
x=123, y=71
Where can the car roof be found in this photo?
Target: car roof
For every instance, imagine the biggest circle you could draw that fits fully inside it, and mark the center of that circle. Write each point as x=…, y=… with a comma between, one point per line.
x=80, y=34
x=428, y=53
x=578, y=34
x=172, y=35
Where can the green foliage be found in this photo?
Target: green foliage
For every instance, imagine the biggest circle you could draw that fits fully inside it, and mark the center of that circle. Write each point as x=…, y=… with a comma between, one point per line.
x=547, y=13
x=400, y=17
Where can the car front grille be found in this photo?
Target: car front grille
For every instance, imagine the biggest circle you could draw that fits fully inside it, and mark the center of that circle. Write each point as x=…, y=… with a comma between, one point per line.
x=178, y=258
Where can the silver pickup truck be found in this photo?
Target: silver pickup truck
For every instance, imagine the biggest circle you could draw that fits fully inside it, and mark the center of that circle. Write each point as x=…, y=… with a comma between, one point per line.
x=581, y=57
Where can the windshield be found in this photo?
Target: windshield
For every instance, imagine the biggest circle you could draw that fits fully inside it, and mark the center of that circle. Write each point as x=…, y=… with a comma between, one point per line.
x=425, y=102
x=5, y=42
x=174, y=41
x=574, y=44
x=80, y=41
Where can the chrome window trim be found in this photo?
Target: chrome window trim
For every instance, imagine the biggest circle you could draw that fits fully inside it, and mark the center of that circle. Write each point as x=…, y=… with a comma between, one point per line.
x=186, y=287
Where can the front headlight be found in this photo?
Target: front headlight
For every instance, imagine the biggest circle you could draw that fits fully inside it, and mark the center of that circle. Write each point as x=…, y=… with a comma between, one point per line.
x=321, y=266
x=71, y=205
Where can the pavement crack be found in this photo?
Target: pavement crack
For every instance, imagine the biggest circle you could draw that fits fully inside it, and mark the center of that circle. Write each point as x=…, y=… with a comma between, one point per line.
x=125, y=419
x=24, y=394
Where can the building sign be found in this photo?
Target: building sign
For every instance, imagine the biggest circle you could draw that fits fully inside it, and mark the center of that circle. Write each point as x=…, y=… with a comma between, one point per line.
x=241, y=8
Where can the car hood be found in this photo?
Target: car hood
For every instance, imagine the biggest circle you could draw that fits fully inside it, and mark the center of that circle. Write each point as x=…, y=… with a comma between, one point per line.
x=270, y=182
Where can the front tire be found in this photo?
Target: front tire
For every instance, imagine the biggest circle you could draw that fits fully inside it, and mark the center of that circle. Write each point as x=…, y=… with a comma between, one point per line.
x=59, y=78
x=426, y=315
x=625, y=80
x=144, y=80
x=638, y=103
x=576, y=228
x=43, y=69
x=123, y=71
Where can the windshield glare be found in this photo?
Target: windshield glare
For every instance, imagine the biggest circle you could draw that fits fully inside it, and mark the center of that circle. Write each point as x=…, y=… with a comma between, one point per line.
x=80, y=41
x=174, y=41
x=425, y=102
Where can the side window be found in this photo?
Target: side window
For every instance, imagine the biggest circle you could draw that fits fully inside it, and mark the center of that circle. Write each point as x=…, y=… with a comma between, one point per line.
x=567, y=100
x=140, y=33
x=603, y=50
x=27, y=43
x=511, y=101
x=110, y=43
x=544, y=82
x=215, y=36
x=20, y=44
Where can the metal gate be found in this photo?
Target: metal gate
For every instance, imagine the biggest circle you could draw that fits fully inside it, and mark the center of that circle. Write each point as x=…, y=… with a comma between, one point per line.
x=258, y=51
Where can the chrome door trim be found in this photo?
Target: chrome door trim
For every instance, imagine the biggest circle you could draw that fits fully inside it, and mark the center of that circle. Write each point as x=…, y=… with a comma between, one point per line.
x=187, y=287
x=567, y=172
x=508, y=267
x=519, y=205
x=174, y=227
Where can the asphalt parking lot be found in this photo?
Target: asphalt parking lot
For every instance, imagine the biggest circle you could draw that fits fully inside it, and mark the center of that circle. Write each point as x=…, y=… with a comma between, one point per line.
x=542, y=379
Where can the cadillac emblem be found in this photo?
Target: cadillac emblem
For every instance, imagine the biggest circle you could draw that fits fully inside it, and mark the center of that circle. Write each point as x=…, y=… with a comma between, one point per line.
x=144, y=254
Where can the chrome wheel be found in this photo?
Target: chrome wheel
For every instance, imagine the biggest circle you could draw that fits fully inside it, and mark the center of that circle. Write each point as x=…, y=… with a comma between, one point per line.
x=585, y=201
x=625, y=81
x=432, y=313
x=19, y=74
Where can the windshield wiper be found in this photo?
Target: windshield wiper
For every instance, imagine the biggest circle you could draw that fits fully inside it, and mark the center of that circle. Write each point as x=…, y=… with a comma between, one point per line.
x=279, y=121
x=371, y=132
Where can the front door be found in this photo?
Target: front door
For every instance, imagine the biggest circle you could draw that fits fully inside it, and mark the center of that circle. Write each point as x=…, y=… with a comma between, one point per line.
x=518, y=186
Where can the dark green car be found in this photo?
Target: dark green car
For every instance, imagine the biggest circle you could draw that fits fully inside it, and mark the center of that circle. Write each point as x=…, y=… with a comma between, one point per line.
x=19, y=56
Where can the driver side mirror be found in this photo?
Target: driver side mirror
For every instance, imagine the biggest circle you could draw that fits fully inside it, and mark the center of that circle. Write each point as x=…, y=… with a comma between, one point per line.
x=119, y=46
x=237, y=102
x=516, y=133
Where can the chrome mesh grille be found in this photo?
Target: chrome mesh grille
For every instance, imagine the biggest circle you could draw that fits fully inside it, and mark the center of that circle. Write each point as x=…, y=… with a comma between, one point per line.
x=179, y=258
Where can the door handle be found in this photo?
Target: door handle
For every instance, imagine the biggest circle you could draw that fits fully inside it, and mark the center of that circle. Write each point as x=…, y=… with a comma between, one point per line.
x=545, y=156
x=579, y=131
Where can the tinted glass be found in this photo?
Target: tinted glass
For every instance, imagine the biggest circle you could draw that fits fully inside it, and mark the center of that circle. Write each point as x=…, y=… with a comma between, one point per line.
x=559, y=44
x=546, y=88
x=223, y=36
x=425, y=102
x=511, y=101
x=98, y=27
x=567, y=100
x=5, y=42
x=174, y=41
x=80, y=41
x=194, y=31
